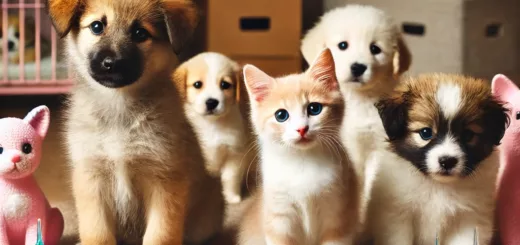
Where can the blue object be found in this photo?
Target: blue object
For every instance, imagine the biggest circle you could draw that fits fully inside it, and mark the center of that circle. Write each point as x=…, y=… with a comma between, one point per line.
x=39, y=240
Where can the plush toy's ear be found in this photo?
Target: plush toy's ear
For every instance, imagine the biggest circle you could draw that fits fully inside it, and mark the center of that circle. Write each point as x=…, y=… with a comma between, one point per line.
x=39, y=118
x=313, y=43
x=181, y=18
x=323, y=70
x=503, y=88
x=394, y=115
x=179, y=77
x=402, y=57
x=258, y=83
x=64, y=14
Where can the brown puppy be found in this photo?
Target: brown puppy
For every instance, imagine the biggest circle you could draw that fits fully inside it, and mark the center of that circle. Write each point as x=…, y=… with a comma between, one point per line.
x=137, y=170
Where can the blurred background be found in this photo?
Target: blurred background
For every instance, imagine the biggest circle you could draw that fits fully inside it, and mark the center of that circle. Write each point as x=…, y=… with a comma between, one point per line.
x=473, y=37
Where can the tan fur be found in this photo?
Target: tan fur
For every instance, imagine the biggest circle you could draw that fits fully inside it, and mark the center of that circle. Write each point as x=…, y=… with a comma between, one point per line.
x=13, y=21
x=226, y=137
x=291, y=207
x=138, y=172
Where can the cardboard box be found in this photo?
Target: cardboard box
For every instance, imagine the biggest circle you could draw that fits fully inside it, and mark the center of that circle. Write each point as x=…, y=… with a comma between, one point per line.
x=473, y=37
x=274, y=67
x=254, y=28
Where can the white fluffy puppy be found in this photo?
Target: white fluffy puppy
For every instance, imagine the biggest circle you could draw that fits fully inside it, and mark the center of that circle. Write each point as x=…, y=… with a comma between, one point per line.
x=210, y=84
x=370, y=55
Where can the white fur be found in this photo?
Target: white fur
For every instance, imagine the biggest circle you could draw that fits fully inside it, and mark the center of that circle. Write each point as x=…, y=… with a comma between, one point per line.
x=290, y=178
x=448, y=148
x=17, y=205
x=223, y=135
x=449, y=98
x=362, y=133
x=408, y=208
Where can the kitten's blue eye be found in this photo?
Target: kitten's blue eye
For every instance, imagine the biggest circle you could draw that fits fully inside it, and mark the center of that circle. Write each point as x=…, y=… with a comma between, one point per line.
x=97, y=27
x=314, y=108
x=1, y=150
x=426, y=133
x=281, y=115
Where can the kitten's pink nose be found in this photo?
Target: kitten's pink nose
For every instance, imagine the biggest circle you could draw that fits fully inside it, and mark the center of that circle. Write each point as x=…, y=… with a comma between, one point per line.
x=16, y=158
x=303, y=131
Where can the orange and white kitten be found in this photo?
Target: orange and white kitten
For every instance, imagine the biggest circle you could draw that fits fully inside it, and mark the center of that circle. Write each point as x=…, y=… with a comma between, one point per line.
x=309, y=194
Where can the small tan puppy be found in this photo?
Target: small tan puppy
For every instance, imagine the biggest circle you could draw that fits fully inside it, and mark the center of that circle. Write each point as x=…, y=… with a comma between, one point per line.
x=138, y=173
x=211, y=85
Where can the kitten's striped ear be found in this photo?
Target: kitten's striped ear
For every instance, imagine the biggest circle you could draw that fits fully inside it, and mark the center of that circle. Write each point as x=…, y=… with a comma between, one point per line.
x=258, y=83
x=323, y=70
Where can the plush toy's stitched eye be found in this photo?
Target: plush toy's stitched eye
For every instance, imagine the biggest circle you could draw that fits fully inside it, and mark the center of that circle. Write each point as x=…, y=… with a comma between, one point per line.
x=518, y=115
x=26, y=148
x=1, y=150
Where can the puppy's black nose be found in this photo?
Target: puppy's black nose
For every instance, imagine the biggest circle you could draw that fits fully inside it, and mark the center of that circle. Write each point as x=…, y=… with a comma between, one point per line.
x=107, y=63
x=358, y=69
x=103, y=61
x=211, y=104
x=447, y=163
x=10, y=45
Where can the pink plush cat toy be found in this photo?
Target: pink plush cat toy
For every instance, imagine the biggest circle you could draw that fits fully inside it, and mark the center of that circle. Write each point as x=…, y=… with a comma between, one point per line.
x=22, y=202
x=508, y=193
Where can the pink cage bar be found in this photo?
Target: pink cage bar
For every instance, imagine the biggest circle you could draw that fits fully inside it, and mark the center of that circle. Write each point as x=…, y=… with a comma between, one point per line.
x=20, y=85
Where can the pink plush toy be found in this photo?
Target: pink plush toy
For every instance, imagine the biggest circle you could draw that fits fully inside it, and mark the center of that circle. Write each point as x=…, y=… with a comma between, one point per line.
x=508, y=195
x=22, y=202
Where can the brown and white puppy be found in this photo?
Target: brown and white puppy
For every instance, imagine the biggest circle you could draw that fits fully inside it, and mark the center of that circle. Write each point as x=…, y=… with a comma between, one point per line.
x=443, y=129
x=137, y=170
x=211, y=85
x=13, y=34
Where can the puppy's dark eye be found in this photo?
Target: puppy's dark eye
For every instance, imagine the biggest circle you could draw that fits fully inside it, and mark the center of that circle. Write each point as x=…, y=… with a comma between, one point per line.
x=518, y=115
x=314, y=108
x=426, y=133
x=197, y=84
x=26, y=148
x=17, y=34
x=467, y=135
x=343, y=45
x=140, y=35
x=281, y=115
x=1, y=150
x=225, y=85
x=97, y=27
x=374, y=49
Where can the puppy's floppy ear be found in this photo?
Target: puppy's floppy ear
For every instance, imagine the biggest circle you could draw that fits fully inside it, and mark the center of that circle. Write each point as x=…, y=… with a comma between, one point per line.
x=238, y=80
x=313, y=43
x=496, y=119
x=179, y=78
x=402, y=57
x=181, y=18
x=394, y=115
x=64, y=14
